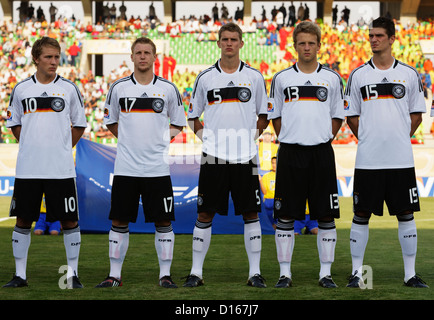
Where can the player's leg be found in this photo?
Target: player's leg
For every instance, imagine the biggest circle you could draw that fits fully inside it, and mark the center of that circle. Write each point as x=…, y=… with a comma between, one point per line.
x=213, y=195
x=324, y=207
x=159, y=208
x=25, y=205
x=289, y=205
x=164, y=244
x=245, y=192
x=62, y=205
x=125, y=198
x=402, y=200
x=201, y=241
x=368, y=197
x=326, y=244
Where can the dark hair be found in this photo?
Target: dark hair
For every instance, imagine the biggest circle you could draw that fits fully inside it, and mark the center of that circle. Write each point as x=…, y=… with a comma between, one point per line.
x=43, y=42
x=385, y=23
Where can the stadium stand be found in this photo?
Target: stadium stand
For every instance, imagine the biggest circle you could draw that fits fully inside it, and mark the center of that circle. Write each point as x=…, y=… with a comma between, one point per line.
x=192, y=42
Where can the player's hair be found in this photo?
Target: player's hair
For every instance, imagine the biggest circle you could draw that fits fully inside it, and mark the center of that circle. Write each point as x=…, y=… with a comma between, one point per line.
x=385, y=23
x=144, y=40
x=43, y=42
x=307, y=27
x=231, y=27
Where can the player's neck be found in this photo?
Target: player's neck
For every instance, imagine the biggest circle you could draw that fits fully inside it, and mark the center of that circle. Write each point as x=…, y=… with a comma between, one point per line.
x=307, y=67
x=383, y=60
x=144, y=78
x=229, y=65
x=44, y=78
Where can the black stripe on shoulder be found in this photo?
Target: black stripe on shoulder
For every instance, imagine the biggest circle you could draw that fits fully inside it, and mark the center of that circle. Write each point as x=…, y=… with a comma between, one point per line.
x=80, y=97
x=199, y=76
x=109, y=95
x=16, y=86
x=273, y=82
x=414, y=69
x=350, y=78
x=178, y=95
x=337, y=75
x=259, y=72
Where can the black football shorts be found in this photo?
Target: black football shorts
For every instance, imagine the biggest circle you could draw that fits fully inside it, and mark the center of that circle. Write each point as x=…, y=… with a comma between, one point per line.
x=306, y=173
x=395, y=187
x=60, y=199
x=156, y=194
x=219, y=178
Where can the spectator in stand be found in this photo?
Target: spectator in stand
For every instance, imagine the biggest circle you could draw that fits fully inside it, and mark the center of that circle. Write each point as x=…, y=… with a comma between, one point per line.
x=74, y=51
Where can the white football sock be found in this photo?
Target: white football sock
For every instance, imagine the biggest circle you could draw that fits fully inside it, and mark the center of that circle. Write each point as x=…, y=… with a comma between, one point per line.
x=407, y=234
x=119, y=238
x=201, y=241
x=284, y=238
x=20, y=247
x=326, y=243
x=164, y=243
x=359, y=236
x=72, y=242
x=253, y=245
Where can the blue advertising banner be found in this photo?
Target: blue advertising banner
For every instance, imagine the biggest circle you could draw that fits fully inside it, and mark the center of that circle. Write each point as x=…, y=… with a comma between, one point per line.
x=95, y=164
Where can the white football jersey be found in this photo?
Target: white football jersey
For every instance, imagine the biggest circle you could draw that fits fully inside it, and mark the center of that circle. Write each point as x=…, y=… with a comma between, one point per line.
x=306, y=104
x=143, y=113
x=384, y=99
x=230, y=104
x=45, y=113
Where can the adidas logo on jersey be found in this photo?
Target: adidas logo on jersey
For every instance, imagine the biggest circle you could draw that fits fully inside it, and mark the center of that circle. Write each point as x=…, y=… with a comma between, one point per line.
x=44, y=94
x=384, y=80
x=230, y=84
x=308, y=83
x=144, y=95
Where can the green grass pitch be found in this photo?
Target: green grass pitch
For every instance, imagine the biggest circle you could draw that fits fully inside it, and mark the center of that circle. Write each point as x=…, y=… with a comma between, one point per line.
x=225, y=269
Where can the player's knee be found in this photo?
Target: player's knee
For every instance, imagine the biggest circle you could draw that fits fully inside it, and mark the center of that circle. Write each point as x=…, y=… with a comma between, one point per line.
x=205, y=216
x=405, y=216
x=69, y=224
x=24, y=224
x=361, y=218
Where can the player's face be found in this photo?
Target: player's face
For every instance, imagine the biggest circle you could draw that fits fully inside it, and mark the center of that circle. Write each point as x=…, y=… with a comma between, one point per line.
x=307, y=47
x=379, y=40
x=47, y=63
x=143, y=57
x=230, y=43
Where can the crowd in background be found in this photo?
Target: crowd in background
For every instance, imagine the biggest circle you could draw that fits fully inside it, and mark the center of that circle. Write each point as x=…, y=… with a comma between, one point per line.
x=344, y=47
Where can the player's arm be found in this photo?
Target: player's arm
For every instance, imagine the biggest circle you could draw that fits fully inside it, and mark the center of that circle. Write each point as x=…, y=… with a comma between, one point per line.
x=336, y=125
x=277, y=123
x=353, y=123
x=416, y=120
x=196, y=126
x=16, y=131
x=113, y=128
x=76, y=133
x=261, y=124
x=174, y=130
